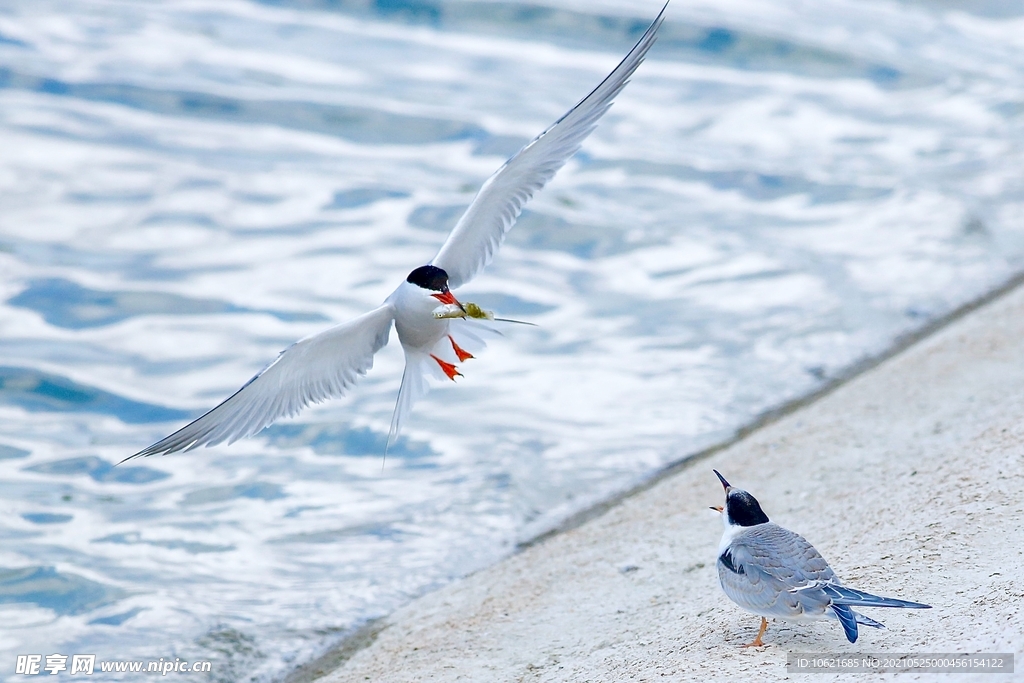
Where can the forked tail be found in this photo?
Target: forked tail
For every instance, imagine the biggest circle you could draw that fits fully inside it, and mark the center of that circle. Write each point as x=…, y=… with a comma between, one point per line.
x=414, y=386
x=843, y=598
x=440, y=362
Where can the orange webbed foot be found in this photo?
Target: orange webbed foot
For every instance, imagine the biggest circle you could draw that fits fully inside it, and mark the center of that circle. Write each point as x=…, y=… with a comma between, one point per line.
x=449, y=368
x=459, y=351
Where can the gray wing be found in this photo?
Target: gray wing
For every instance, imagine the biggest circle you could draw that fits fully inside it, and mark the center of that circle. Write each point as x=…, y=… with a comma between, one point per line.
x=771, y=571
x=311, y=370
x=497, y=205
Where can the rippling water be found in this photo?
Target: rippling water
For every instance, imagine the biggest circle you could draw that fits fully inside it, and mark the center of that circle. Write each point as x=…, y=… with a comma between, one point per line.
x=187, y=187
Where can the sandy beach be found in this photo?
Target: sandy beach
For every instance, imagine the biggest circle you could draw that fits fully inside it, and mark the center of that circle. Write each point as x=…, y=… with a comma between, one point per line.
x=907, y=478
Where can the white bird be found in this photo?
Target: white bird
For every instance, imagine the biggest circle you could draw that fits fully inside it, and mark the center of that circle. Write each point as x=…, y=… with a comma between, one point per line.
x=325, y=365
x=771, y=571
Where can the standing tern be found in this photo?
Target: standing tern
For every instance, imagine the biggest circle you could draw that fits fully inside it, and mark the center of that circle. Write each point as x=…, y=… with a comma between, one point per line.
x=326, y=364
x=773, y=572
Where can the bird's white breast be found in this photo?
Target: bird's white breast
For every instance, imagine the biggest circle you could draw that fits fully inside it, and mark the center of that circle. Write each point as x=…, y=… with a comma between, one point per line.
x=414, y=317
x=731, y=532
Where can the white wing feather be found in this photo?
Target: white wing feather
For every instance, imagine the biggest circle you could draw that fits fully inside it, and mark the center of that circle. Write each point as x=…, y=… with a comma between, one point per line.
x=481, y=230
x=311, y=370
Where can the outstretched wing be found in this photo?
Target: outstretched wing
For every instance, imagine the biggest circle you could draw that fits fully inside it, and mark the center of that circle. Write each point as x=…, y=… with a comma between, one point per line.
x=497, y=205
x=311, y=370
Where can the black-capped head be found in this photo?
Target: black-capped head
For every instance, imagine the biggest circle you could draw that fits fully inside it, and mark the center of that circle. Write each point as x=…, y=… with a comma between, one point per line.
x=741, y=508
x=429, y=277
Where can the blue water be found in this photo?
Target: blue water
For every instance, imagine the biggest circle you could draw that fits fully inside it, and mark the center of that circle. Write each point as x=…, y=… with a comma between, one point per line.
x=186, y=188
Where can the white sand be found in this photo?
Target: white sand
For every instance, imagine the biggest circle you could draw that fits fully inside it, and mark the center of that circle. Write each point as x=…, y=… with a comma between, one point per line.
x=909, y=479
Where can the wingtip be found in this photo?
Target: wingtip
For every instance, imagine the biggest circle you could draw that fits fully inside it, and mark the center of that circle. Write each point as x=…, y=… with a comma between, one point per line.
x=658, y=20
x=384, y=458
x=144, y=453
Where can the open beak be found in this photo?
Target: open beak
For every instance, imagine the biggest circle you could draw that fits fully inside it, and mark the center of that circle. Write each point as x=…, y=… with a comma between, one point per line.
x=726, y=485
x=717, y=508
x=446, y=297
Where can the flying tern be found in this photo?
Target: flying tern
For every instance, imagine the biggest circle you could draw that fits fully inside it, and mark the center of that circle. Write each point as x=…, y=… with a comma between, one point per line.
x=773, y=572
x=437, y=331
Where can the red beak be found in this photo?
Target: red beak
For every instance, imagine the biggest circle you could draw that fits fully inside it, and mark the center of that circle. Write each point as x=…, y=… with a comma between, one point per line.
x=446, y=297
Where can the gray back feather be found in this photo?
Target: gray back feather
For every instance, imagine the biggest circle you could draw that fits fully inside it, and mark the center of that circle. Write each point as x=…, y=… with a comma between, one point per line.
x=765, y=568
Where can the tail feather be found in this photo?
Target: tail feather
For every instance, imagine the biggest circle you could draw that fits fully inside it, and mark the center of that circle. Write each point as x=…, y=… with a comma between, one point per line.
x=841, y=595
x=865, y=621
x=414, y=386
x=419, y=366
x=848, y=619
